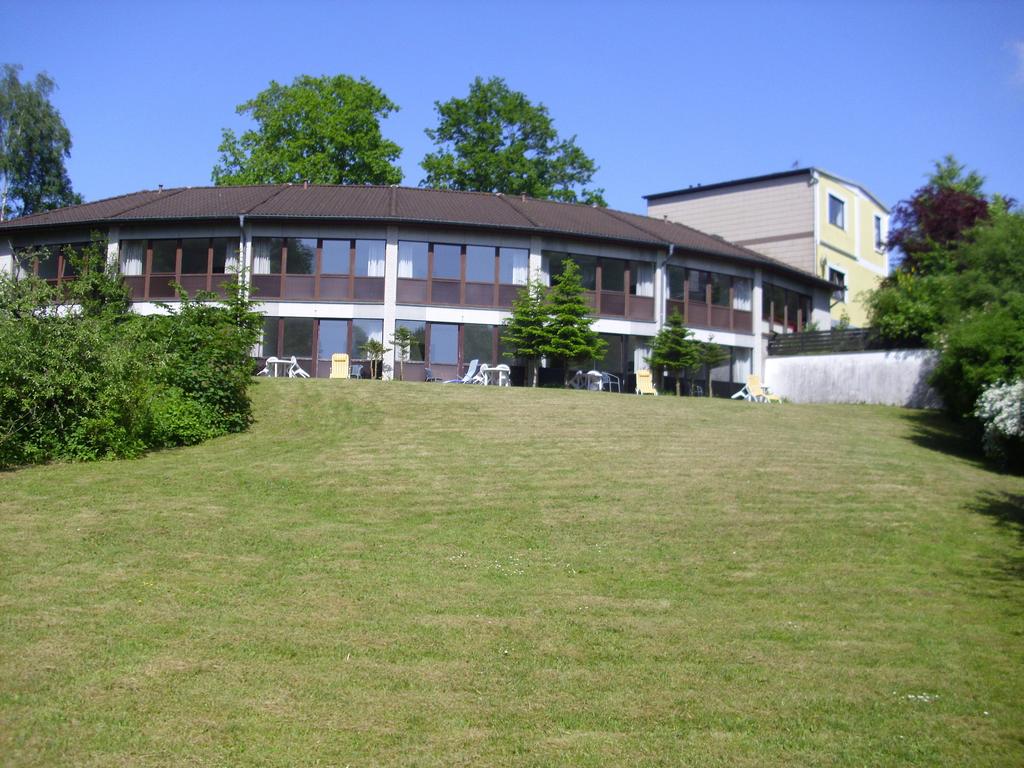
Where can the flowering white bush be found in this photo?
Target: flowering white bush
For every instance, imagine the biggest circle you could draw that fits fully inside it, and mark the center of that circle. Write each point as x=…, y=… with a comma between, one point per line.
x=1001, y=410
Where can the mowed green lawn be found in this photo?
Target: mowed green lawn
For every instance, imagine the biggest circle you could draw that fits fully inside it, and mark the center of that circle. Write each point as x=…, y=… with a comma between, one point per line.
x=413, y=574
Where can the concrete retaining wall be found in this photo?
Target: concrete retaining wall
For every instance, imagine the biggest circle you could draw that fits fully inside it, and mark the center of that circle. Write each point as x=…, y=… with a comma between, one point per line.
x=896, y=377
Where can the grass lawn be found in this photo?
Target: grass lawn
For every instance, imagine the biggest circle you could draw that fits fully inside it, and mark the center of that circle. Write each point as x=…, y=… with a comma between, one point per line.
x=411, y=574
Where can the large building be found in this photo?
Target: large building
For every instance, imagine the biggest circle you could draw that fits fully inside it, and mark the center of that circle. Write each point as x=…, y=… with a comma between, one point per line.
x=810, y=219
x=334, y=266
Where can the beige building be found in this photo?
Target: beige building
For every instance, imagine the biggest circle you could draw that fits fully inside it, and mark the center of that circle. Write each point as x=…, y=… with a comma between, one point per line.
x=809, y=219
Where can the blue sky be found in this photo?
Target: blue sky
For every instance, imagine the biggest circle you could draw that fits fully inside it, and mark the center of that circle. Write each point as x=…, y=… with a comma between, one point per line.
x=662, y=95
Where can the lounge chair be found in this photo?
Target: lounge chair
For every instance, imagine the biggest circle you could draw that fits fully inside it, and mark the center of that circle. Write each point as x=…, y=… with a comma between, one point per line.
x=471, y=375
x=645, y=383
x=755, y=392
x=339, y=366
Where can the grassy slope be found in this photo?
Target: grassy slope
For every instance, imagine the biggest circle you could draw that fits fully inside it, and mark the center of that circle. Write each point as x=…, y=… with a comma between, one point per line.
x=426, y=575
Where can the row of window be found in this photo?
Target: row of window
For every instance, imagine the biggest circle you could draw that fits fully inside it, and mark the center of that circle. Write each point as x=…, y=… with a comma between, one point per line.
x=786, y=310
x=50, y=262
x=837, y=218
x=598, y=274
x=696, y=285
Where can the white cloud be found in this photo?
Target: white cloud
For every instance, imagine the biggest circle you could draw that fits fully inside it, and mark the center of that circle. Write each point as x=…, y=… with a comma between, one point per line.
x=1017, y=47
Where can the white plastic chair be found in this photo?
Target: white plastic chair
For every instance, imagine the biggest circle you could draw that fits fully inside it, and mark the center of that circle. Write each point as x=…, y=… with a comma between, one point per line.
x=295, y=370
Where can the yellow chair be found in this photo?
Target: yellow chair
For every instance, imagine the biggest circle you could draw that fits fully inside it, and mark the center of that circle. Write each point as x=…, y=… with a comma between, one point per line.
x=339, y=366
x=645, y=383
x=760, y=393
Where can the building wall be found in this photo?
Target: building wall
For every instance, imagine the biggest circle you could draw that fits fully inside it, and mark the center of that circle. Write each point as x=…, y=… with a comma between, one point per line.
x=850, y=249
x=773, y=217
x=896, y=377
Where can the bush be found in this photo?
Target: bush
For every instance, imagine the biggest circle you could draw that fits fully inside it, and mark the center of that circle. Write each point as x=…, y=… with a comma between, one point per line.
x=82, y=378
x=1001, y=411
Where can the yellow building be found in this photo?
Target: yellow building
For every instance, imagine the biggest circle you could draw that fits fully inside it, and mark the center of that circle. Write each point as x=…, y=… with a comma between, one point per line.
x=808, y=218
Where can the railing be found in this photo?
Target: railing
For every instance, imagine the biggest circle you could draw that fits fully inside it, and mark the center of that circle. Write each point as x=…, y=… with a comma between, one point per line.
x=828, y=342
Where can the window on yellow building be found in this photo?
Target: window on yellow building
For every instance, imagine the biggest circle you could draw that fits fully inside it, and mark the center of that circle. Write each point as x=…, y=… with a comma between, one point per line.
x=878, y=234
x=836, y=212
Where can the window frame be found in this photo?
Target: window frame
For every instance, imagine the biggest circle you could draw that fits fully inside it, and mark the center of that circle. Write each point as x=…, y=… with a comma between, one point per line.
x=842, y=211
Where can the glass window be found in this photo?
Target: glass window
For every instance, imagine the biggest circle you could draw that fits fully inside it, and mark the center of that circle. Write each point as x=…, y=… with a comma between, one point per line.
x=363, y=331
x=723, y=370
x=223, y=251
x=444, y=343
x=266, y=255
x=369, y=258
x=332, y=338
x=641, y=279
x=698, y=284
x=513, y=266
x=334, y=257
x=741, y=294
x=720, y=289
x=412, y=260
x=588, y=270
x=740, y=364
x=69, y=251
x=778, y=298
x=836, y=212
x=447, y=260
x=676, y=283
x=194, y=255
x=556, y=263
x=417, y=348
x=478, y=343
x=298, y=337
x=301, y=256
x=270, y=337
x=838, y=279
x=878, y=233
x=613, y=275
x=164, y=253
x=479, y=264
x=612, y=361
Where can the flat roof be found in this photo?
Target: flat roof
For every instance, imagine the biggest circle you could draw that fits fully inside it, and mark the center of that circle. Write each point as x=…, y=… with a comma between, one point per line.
x=766, y=177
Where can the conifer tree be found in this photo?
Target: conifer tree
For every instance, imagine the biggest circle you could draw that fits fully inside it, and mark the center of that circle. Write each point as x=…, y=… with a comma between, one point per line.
x=525, y=332
x=570, y=336
x=674, y=350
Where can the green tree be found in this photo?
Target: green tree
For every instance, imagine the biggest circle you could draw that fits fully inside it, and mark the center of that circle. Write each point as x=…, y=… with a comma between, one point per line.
x=570, y=337
x=374, y=351
x=402, y=340
x=325, y=130
x=710, y=355
x=526, y=330
x=34, y=143
x=674, y=350
x=496, y=140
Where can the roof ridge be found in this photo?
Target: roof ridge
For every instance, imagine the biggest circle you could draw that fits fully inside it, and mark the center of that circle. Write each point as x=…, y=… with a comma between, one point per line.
x=173, y=192
x=91, y=202
x=277, y=190
x=516, y=208
x=620, y=216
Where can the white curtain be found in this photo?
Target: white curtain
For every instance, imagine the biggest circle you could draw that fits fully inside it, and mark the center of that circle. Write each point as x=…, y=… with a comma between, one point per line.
x=261, y=247
x=133, y=252
x=405, y=256
x=741, y=294
x=741, y=364
x=231, y=257
x=375, y=258
x=520, y=266
x=644, y=279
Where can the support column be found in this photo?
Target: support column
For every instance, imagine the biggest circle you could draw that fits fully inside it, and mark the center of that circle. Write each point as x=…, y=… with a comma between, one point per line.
x=390, y=298
x=757, y=299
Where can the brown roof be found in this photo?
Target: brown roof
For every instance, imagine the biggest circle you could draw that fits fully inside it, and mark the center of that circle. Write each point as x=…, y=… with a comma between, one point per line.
x=397, y=204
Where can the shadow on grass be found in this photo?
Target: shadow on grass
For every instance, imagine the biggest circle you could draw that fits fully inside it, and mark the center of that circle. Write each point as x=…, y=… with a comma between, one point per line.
x=1007, y=510
x=939, y=432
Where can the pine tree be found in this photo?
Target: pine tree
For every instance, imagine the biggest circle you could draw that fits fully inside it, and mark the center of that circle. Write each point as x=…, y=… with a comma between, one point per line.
x=525, y=332
x=570, y=337
x=674, y=350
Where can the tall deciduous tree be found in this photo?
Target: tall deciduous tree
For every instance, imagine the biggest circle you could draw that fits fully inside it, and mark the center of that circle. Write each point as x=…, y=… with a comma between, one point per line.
x=570, y=335
x=937, y=214
x=325, y=130
x=34, y=143
x=526, y=330
x=674, y=350
x=496, y=140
